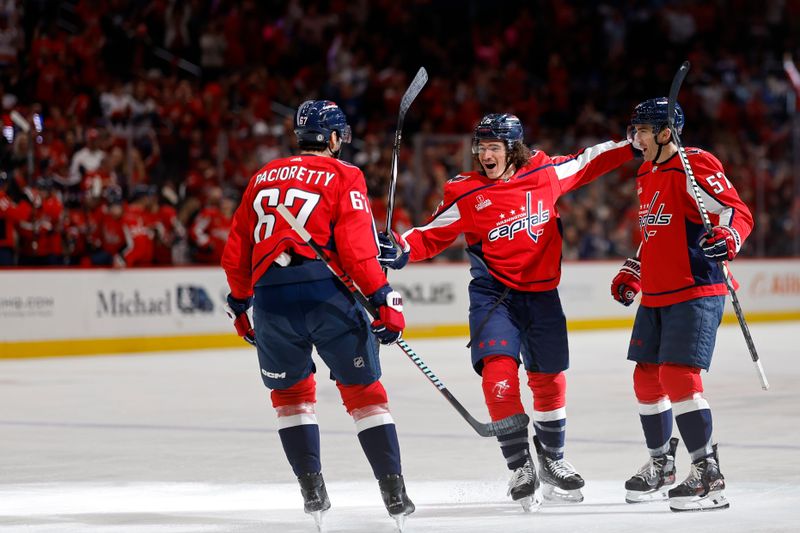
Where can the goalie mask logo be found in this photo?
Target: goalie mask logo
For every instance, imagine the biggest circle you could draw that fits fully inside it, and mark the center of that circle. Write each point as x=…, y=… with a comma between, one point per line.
x=526, y=220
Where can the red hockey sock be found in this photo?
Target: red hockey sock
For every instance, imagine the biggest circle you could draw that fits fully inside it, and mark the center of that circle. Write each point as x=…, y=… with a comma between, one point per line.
x=304, y=391
x=549, y=391
x=501, y=386
x=681, y=382
x=647, y=384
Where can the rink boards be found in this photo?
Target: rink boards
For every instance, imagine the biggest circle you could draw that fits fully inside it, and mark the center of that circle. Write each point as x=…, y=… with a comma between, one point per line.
x=75, y=312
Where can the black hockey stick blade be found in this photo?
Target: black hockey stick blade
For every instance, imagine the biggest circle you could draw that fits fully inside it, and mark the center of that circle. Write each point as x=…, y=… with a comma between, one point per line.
x=419, y=81
x=507, y=425
x=674, y=89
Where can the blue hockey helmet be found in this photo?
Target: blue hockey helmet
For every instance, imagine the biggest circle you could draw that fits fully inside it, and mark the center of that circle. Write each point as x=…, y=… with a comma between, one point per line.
x=315, y=120
x=498, y=127
x=654, y=112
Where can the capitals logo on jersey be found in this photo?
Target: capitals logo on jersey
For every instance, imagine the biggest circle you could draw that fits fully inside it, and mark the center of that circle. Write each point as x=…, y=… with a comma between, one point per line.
x=659, y=218
x=526, y=220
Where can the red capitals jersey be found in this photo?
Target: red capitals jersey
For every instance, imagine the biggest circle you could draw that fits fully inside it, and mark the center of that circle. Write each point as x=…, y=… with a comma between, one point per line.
x=209, y=233
x=673, y=266
x=513, y=224
x=137, y=223
x=327, y=196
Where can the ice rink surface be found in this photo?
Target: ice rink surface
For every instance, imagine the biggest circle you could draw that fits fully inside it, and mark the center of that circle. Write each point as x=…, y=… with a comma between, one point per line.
x=187, y=442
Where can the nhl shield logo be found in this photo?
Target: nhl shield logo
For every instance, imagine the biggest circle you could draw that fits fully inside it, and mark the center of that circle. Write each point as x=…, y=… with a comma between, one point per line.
x=358, y=362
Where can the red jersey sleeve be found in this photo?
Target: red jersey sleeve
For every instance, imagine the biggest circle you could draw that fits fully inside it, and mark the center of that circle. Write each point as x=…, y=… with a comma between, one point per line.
x=354, y=234
x=237, y=255
x=576, y=170
x=444, y=226
x=720, y=198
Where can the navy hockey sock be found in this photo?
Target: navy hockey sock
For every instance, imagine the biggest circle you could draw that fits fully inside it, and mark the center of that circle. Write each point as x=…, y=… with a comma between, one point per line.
x=656, y=421
x=551, y=435
x=301, y=446
x=382, y=449
x=693, y=417
x=515, y=448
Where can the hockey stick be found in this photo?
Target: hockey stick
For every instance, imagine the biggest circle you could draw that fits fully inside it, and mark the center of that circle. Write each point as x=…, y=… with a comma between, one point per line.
x=504, y=426
x=673, y=97
x=413, y=90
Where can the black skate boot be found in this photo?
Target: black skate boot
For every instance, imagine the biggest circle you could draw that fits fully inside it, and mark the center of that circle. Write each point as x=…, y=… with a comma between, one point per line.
x=397, y=502
x=650, y=483
x=315, y=497
x=703, y=489
x=523, y=487
x=561, y=483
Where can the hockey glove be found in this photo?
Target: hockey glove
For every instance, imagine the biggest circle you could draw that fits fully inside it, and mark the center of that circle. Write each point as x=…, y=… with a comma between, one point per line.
x=721, y=243
x=237, y=311
x=389, y=325
x=627, y=283
x=391, y=256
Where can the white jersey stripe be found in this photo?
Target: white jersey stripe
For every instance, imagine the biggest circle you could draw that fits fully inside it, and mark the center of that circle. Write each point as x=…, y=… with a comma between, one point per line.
x=447, y=217
x=573, y=166
x=712, y=204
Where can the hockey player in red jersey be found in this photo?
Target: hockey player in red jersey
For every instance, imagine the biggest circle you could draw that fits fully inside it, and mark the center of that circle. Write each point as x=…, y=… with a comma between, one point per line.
x=297, y=304
x=507, y=212
x=683, y=294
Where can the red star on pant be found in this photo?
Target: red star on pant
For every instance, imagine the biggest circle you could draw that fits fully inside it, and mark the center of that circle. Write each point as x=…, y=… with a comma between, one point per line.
x=492, y=342
x=504, y=342
x=482, y=345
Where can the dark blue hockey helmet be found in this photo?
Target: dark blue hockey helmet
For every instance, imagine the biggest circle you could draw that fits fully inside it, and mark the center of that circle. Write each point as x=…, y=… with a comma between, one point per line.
x=498, y=127
x=315, y=120
x=654, y=112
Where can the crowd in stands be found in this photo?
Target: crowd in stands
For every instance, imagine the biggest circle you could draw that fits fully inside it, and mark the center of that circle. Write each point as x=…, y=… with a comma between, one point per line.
x=131, y=128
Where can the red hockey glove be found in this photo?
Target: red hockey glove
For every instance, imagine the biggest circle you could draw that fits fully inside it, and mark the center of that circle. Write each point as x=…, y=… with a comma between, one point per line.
x=389, y=326
x=721, y=243
x=391, y=256
x=237, y=312
x=627, y=283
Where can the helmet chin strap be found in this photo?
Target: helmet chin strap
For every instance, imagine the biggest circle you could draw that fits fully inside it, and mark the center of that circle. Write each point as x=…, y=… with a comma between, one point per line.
x=660, y=147
x=332, y=145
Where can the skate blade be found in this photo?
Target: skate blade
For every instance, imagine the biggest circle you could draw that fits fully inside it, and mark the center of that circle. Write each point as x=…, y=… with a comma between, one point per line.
x=400, y=521
x=318, y=516
x=555, y=495
x=712, y=501
x=635, y=496
x=532, y=503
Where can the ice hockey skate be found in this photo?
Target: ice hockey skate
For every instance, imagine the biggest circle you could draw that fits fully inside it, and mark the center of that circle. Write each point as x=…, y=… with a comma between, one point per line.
x=651, y=482
x=702, y=490
x=315, y=496
x=561, y=483
x=397, y=502
x=523, y=487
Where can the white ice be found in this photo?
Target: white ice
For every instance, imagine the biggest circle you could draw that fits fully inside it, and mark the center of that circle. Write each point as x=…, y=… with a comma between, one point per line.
x=186, y=442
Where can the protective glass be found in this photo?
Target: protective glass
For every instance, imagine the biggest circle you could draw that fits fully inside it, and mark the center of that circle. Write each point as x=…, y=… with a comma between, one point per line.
x=347, y=134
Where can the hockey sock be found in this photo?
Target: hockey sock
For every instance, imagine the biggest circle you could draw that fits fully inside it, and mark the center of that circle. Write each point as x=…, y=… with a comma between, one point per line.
x=549, y=411
x=299, y=433
x=692, y=412
x=380, y=443
x=500, y=376
x=655, y=408
x=297, y=425
x=369, y=407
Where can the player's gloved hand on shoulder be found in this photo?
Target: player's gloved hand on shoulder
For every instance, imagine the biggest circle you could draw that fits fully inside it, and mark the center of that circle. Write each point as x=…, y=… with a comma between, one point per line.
x=720, y=244
x=237, y=312
x=389, y=325
x=391, y=256
x=627, y=283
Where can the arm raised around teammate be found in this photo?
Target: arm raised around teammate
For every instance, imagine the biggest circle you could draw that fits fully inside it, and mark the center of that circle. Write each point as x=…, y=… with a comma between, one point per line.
x=576, y=170
x=444, y=226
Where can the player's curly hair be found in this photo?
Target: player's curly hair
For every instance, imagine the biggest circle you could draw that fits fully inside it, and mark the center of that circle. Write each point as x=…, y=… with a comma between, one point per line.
x=519, y=156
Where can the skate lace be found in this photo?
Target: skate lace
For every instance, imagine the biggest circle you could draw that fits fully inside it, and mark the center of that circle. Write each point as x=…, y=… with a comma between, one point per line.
x=561, y=468
x=650, y=468
x=522, y=476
